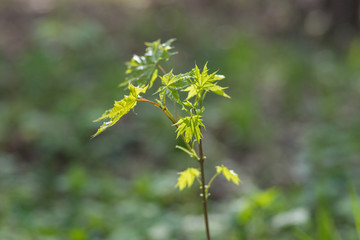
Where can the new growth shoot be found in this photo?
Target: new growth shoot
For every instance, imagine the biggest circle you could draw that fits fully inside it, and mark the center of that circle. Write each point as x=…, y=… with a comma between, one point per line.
x=141, y=73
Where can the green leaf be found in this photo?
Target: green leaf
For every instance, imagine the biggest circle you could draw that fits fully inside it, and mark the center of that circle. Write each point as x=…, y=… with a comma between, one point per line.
x=192, y=91
x=142, y=70
x=218, y=90
x=153, y=77
x=171, y=85
x=159, y=51
x=203, y=82
x=120, y=109
x=230, y=175
x=190, y=127
x=187, y=178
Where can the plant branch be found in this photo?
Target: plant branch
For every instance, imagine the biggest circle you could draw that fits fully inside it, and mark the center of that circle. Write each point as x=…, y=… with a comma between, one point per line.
x=203, y=188
x=175, y=109
x=168, y=114
x=212, y=179
x=164, y=109
x=161, y=69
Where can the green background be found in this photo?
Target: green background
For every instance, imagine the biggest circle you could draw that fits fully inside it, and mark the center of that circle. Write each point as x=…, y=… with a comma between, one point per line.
x=291, y=129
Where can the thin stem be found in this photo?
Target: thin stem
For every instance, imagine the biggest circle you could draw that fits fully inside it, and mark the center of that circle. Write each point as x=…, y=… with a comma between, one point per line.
x=161, y=69
x=164, y=109
x=211, y=180
x=168, y=114
x=175, y=109
x=204, y=192
x=141, y=99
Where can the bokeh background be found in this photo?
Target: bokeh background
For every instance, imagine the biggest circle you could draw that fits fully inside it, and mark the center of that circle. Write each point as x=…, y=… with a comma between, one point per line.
x=291, y=129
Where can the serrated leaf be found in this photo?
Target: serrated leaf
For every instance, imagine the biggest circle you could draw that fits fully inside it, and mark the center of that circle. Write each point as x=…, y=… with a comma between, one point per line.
x=171, y=85
x=203, y=82
x=187, y=178
x=153, y=77
x=192, y=91
x=159, y=51
x=190, y=127
x=139, y=71
x=230, y=175
x=120, y=108
x=218, y=90
x=142, y=70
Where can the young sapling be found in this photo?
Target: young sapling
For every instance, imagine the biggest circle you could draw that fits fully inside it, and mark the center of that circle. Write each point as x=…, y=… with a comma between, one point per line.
x=185, y=90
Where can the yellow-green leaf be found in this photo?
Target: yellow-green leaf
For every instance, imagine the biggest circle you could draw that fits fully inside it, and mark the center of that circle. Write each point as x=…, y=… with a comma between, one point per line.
x=187, y=178
x=192, y=91
x=204, y=82
x=218, y=90
x=190, y=127
x=230, y=175
x=153, y=77
x=120, y=109
x=141, y=70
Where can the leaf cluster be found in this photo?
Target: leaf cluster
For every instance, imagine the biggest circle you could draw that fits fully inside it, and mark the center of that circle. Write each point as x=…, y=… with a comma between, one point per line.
x=142, y=70
x=120, y=108
x=188, y=90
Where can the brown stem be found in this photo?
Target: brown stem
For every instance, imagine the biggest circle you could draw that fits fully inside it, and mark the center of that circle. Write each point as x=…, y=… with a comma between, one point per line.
x=168, y=114
x=203, y=188
x=164, y=109
x=175, y=109
x=161, y=69
x=141, y=99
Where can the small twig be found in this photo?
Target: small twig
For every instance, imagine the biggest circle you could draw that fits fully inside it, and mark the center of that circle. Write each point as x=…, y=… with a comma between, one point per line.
x=211, y=180
x=161, y=69
x=164, y=109
x=175, y=110
x=168, y=114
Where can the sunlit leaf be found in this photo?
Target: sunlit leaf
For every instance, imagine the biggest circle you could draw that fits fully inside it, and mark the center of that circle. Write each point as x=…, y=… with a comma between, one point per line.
x=171, y=84
x=203, y=82
x=142, y=70
x=120, y=109
x=187, y=178
x=153, y=77
x=190, y=127
x=218, y=90
x=192, y=91
x=159, y=51
x=230, y=175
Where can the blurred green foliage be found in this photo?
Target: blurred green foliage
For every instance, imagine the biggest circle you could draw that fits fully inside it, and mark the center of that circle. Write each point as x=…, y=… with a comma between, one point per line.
x=293, y=123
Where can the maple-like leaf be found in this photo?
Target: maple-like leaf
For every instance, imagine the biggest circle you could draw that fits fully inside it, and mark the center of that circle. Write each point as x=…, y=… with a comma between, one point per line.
x=190, y=127
x=142, y=70
x=203, y=82
x=171, y=84
x=187, y=178
x=230, y=175
x=120, y=108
